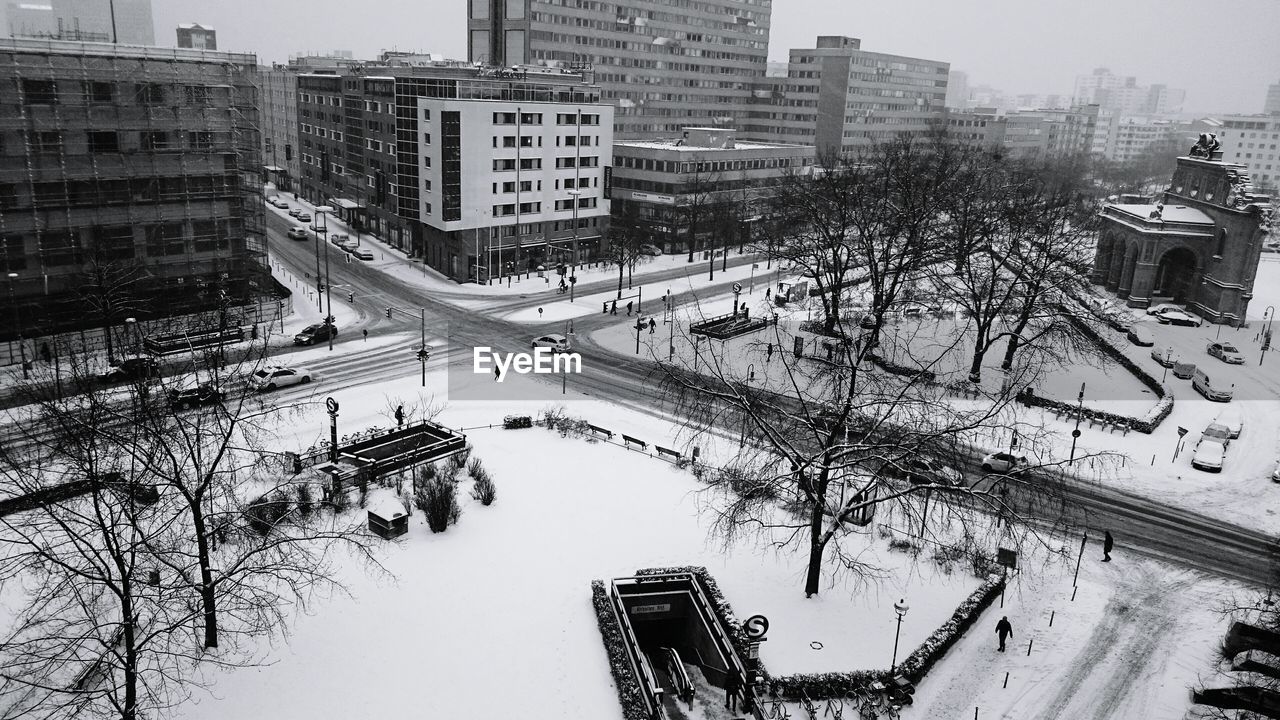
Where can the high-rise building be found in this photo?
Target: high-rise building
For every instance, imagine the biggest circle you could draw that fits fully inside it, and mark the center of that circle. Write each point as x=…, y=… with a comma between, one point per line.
x=130, y=173
x=1253, y=140
x=1272, y=104
x=1124, y=96
x=127, y=22
x=662, y=65
x=197, y=37
x=839, y=97
x=957, y=90
x=278, y=113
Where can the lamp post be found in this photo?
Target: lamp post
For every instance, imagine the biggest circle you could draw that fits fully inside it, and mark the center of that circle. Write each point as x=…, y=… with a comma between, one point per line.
x=1267, y=315
x=573, y=273
x=1075, y=434
x=17, y=327
x=132, y=324
x=315, y=225
x=900, y=608
x=328, y=283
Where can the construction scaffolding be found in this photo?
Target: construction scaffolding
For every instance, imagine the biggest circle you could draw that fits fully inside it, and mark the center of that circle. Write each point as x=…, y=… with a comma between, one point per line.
x=129, y=184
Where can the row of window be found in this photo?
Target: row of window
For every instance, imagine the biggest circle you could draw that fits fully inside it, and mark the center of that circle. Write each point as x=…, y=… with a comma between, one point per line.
x=333, y=100
x=119, y=242
x=686, y=167
x=103, y=192
x=93, y=92
x=509, y=118
x=109, y=141
x=510, y=209
x=509, y=164
x=536, y=185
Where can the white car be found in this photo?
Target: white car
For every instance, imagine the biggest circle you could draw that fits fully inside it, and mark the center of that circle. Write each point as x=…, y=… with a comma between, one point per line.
x=1003, y=462
x=1178, y=317
x=557, y=343
x=294, y=212
x=270, y=378
x=362, y=254
x=1275, y=474
x=1226, y=352
x=1233, y=421
x=1157, y=309
x=1209, y=456
x=304, y=216
x=297, y=233
x=279, y=203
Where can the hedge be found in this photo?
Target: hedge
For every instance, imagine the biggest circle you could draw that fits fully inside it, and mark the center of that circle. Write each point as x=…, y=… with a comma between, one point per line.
x=819, y=686
x=624, y=678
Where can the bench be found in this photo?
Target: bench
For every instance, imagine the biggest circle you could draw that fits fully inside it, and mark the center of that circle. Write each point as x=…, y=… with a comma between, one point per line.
x=628, y=441
x=608, y=434
x=663, y=452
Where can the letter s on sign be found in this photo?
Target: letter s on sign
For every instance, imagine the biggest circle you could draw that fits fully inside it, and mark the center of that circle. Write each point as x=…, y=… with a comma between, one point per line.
x=755, y=627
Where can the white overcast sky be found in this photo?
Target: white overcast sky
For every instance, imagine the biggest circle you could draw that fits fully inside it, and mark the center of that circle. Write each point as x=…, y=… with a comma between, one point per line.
x=1223, y=53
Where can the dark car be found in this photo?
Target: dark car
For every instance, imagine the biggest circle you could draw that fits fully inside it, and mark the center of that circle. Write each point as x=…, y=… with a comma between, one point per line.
x=195, y=395
x=313, y=334
x=134, y=367
x=918, y=471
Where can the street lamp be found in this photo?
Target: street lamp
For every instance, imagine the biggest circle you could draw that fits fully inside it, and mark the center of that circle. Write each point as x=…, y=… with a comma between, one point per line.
x=1075, y=434
x=17, y=327
x=323, y=228
x=901, y=608
x=574, y=260
x=1268, y=315
x=132, y=324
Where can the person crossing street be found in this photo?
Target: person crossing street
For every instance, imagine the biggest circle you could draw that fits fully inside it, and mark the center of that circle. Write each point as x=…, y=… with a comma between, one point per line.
x=1004, y=630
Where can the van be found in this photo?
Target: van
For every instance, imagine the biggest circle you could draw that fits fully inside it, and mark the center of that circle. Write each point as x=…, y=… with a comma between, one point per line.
x=1203, y=385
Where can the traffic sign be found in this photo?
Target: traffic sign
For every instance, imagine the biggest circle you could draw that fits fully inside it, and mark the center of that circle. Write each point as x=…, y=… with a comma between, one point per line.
x=737, y=288
x=755, y=627
x=1182, y=431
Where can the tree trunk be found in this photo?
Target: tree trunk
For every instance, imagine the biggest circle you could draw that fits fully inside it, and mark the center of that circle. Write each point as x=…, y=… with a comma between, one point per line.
x=128, y=637
x=208, y=598
x=619, y=281
x=816, y=546
x=1012, y=347
x=975, y=368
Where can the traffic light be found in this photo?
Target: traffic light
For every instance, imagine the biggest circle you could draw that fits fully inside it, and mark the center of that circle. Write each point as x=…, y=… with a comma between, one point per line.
x=388, y=312
x=321, y=286
x=351, y=297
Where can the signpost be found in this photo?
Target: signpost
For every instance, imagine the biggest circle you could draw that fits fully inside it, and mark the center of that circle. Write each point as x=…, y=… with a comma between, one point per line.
x=737, y=290
x=332, y=406
x=1182, y=432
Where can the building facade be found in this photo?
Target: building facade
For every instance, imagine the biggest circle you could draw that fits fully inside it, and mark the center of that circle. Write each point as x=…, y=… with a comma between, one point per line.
x=278, y=116
x=661, y=65
x=1123, y=95
x=1253, y=140
x=979, y=126
x=841, y=98
x=127, y=22
x=703, y=189
x=197, y=37
x=127, y=172
x=1200, y=246
x=1271, y=106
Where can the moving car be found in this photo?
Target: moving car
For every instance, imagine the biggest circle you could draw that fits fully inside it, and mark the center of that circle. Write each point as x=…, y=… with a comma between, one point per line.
x=270, y=378
x=295, y=212
x=1203, y=385
x=362, y=254
x=132, y=367
x=313, y=334
x=297, y=232
x=1209, y=456
x=1178, y=317
x=279, y=203
x=1226, y=352
x=304, y=216
x=190, y=396
x=1142, y=337
x=1003, y=462
x=1165, y=357
x=557, y=343
x=650, y=250
x=919, y=471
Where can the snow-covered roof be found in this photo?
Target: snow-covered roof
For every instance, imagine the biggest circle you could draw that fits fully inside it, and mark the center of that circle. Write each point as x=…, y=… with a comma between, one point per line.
x=387, y=508
x=1170, y=213
x=684, y=145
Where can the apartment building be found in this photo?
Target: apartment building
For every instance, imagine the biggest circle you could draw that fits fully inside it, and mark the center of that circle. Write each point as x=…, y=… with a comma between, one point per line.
x=278, y=116
x=1253, y=140
x=662, y=65
x=197, y=37
x=131, y=171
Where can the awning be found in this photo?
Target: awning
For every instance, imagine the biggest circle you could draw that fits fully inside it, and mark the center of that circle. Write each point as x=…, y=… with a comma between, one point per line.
x=344, y=203
x=273, y=168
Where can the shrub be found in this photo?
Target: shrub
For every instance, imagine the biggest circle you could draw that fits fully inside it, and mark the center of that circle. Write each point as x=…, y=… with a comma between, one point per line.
x=266, y=512
x=304, y=498
x=408, y=505
x=903, y=544
x=458, y=460
x=483, y=489
x=475, y=467
x=624, y=679
x=517, y=422
x=437, y=498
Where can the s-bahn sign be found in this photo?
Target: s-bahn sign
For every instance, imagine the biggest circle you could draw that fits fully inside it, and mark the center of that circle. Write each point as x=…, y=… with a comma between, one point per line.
x=755, y=627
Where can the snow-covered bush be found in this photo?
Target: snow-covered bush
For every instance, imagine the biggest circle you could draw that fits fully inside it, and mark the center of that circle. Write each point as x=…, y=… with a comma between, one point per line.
x=483, y=488
x=304, y=498
x=437, y=498
x=624, y=679
x=458, y=460
x=517, y=422
x=264, y=513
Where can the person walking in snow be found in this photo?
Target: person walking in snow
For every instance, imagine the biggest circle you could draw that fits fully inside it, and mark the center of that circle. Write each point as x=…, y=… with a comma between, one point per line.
x=399, y=415
x=613, y=309
x=732, y=685
x=1004, y=630
x=629, y=304
x=1107, y=544
x=653, y=325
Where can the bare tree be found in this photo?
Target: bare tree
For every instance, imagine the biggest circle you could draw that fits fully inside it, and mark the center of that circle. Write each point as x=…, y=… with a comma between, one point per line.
x=697, y=197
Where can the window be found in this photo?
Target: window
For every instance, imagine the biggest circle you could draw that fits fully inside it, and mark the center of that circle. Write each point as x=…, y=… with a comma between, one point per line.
x=426, y=113
x=39, y=92
x=100, y=92
x=209, y=235
x=13, y=254
x=426, y=162
x=165, y=239
x=505, y=118
x=149, y=93
x=509, y=141
x=336, y=135
x=306, y=129
x=48, y=141
x=566, y=162
x=336, y=169
x=1222, y=242
x=527, y=141
x=202, y=140
x=374, y=145
x=504, y=210
x=504, y=165
x=154, y=140
x=196, y=94
x=591, y=161
x=321, y=132
x=567, y=118
x=530, y=118
x=103, y=141
x=531, y=163
x=530, y=207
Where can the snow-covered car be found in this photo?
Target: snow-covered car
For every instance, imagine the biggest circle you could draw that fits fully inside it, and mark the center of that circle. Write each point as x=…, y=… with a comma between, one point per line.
x=1183, y=370
x=1226, y=352
x=295, y=212
x=348, y=245
x=1209, y=456
x=279, y=203
x=912, y=309
x=1165, y=357
x=132, y=367
x=1232, y=420
x=362, y=254
x=297, y=232
x=270, y=378
x=315, y=227
x=1217, y=431
x=1155, y=309
x=651, y=250
x=304, y=216
x=1003, y=462
x=1178, y=317
x=339, y=238
x=919, y=471
x=1141, y=336
x=556, y=342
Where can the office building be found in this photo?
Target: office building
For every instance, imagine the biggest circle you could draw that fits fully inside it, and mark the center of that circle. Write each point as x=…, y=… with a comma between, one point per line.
x=127, y=22
x=662, y=65
x=1272, y=104
x=979, y=126
x=841, y=98
x=278, y=115
x=128, y=171
x=705, y=183
x=957, y=90
x=1253, y=140
x=197, y=37
x=1124, y=96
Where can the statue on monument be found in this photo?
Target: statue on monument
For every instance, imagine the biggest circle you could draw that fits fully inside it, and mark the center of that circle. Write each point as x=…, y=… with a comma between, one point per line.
x=1206, y=146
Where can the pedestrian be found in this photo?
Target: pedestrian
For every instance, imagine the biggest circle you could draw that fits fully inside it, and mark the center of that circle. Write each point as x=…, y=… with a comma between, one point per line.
x=1004, y=630
x=497, y=374
x=1107, y=544
x=629, y=304
x=653, y=325
x=48, y=356
x=767, y=292
x=732, y=685
x=768, y=352
x=399, y=415
x=613, y=309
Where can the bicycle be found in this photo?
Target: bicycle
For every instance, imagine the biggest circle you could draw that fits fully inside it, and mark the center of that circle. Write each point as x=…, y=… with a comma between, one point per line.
x=777, y=711
x=835, y=708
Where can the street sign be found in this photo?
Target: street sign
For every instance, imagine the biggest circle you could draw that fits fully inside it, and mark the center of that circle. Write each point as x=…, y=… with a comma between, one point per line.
x=755, y=627
x=1182, y=431
x=737, y=288
x=331, y=404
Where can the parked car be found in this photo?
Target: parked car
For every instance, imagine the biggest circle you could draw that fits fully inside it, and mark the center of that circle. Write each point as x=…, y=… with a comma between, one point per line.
x=132, y=367
x=1275, y=474
x=280, y=203
x=1164, y=357
x=313, y=334
x=297, y=232
x=270, y=378
x=1141, y=336
x=919, y=471
x=193, y=395
x=1003, y=462
x=1217, y=431
x=348, y=245
x=650, y=250
x=557, y=343
x=1209, y=456
x=1184, y=371
x=339, y=238
x=1233, y=420
x=1203, y=385
x=316, y=228
x=362, y=254
x=1226, y=352
x=304, y=216
x=868, y=320
x=295, y=212
x=1155, y=309
x=1178, y=317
